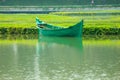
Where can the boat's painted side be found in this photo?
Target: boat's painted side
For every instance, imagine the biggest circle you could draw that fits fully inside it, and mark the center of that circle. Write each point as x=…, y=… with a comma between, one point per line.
x=75, y=30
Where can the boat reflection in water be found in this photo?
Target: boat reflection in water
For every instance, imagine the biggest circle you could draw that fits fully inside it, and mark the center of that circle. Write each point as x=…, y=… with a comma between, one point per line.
x=59, y=42
x=58, y=57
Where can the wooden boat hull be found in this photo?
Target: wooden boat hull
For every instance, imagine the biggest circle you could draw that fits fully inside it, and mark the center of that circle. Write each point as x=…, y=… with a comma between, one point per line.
x=75, y=30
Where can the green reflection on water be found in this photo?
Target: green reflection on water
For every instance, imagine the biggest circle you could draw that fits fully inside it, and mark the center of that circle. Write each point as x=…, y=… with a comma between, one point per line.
x=53, y=58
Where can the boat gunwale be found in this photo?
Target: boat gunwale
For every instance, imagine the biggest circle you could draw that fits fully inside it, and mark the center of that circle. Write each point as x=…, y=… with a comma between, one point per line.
x=60, y=28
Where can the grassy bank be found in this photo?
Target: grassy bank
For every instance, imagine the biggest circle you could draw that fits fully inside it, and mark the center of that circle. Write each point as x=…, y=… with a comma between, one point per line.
x=28, y=20
x=94, y=24
x=25, y=23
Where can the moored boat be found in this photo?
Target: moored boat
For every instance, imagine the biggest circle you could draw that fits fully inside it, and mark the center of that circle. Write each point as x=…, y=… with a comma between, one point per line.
x=50, y=30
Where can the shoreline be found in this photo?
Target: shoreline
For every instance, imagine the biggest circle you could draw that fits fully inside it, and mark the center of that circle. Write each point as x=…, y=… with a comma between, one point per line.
x=35, y=36
x=86, y=31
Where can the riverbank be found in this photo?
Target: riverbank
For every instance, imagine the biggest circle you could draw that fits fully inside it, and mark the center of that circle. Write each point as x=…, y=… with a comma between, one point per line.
x=96, y=22
x=35, y=36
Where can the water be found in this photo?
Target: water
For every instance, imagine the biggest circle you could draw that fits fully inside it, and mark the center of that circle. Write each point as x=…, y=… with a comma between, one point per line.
x=59, y=59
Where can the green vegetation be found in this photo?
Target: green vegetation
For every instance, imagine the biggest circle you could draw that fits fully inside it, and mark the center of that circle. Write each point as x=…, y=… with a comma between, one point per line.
x=95, y=22
x=28, y=20
x=25, y=23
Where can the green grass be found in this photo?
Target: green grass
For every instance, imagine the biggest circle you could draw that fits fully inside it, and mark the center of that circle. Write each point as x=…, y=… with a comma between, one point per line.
x=63, y=19
x=28, y=20
x=96, y=18
x=108, y=23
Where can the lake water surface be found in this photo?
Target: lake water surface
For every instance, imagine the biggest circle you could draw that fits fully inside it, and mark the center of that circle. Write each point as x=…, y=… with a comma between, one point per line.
x=52, y=58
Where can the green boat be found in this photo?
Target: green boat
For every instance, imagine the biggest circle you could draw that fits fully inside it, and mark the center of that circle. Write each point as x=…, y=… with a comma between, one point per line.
x=50, y=30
